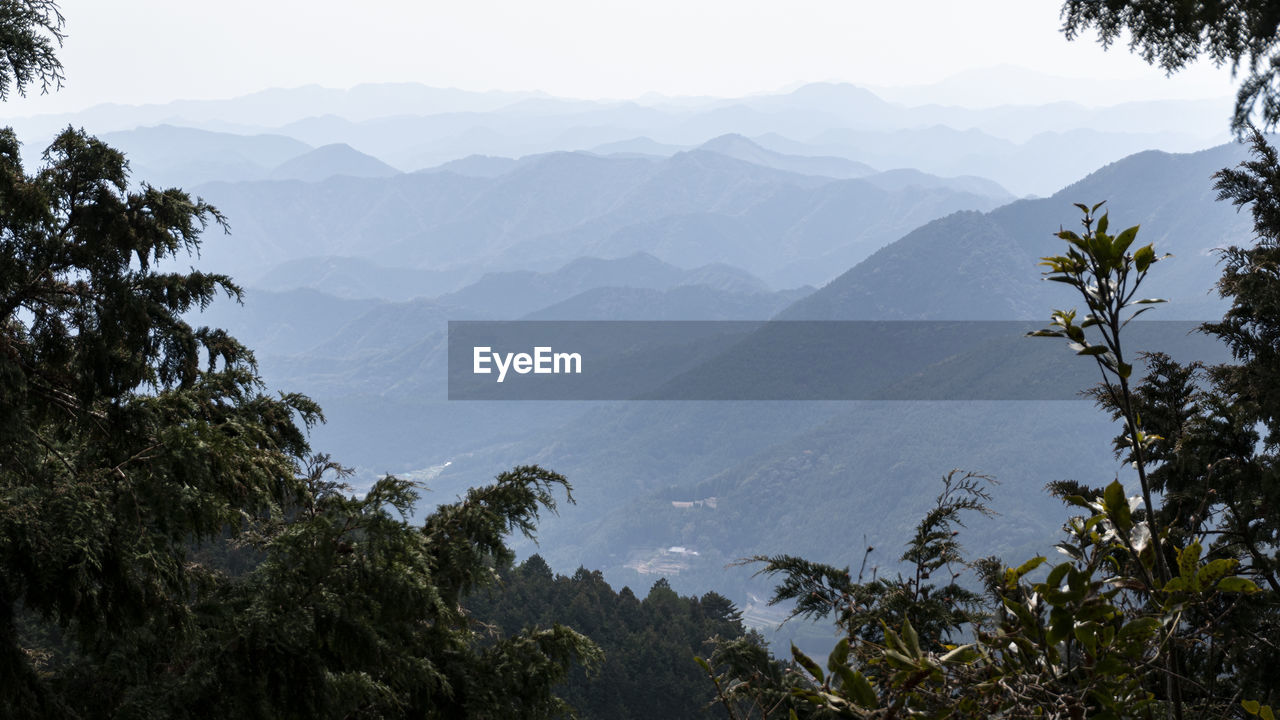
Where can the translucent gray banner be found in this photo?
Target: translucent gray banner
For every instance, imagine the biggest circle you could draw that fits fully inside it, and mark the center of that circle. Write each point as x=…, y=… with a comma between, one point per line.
x=819, y=360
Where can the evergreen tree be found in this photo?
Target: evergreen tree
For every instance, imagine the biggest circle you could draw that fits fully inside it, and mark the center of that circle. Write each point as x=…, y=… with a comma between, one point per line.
x=30, y=32
x=649, y=645
x=169, y=546
x=1239, y=33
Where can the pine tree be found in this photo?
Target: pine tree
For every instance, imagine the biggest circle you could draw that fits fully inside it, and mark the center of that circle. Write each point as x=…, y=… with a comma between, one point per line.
x=169, y=545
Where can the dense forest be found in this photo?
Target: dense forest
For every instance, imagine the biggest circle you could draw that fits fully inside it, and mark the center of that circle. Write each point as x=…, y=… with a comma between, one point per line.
x=648, y=643
x=171, y=544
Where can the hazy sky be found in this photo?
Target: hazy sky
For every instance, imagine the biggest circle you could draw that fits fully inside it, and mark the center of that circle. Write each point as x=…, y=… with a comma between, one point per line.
x=139, y=51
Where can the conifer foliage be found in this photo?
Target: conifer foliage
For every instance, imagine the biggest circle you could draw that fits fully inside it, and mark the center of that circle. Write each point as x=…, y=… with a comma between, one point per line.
x=169, y=545
x=1242, y=34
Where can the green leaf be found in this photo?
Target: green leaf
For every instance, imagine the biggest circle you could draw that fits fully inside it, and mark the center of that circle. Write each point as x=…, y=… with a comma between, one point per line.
x=912, y=640
x=1189, y=561
x=1236, y=584
x=1117, y=506
x=1124, y=240
x=1086, y=634
x=1078, y=501
x=1251, y=706
x=1056, y=574
x=963, y=655
x=1141, y=628
x=807, y=663
x=1143, y=258
x=1213, y=571
x=839, y=656
x=899, y=660
x=1136, y=314
x=1013, y=575
x=1092, y=350
x=856, y=685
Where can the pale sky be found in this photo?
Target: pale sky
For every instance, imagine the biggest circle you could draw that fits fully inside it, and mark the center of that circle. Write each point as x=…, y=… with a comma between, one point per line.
x=146, y=51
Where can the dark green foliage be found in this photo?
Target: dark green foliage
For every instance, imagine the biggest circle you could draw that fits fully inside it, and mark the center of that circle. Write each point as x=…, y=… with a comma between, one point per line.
x=168, y=546
x=29, y=32
x=1166, y=604
x=1251, y=280
x=927, y=596
x=649, y=645
x=126, y=433
x=1172, y=35
x=354, y=613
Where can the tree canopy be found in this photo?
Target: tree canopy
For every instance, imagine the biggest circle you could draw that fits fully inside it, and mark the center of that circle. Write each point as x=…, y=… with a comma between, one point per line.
x=1243, y=34
x=30, y=33
x=169, y=544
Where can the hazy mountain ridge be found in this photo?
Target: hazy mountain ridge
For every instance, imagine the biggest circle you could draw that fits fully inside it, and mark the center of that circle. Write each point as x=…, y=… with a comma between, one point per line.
x=792, y=229
x=684, y=302
x=983, y=266
x=966, y=266
x=167, y=155
x=338, y=159
x=508, y=295
x=411, y=127
x=910, y=245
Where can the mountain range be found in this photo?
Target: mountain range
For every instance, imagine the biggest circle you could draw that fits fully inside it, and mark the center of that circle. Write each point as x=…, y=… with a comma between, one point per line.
x=1032, y=147
x=695, y=208
x=360, y=232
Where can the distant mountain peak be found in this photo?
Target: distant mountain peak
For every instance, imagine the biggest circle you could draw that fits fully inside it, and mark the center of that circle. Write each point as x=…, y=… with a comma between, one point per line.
x=330, y=161
x=728, y=140
x=740, y=147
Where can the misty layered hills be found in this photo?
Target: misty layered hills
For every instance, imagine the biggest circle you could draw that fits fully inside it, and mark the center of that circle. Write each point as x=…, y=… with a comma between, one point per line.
x=741, y=148
x=485, y=166
x=364, y=220
x=280, y=106
x=687, y=302
x=982, y=266
x=167, y=155
x=338, y=159
x=1039, y=164
x=810, y=466
x=798, y=477
x=692, y=209
x=352, y=278
x=508, y=295
x=284, y=323
x=639, y=146
x=1030, y=148
x=994, y=86
x=738, y=147
x=356, y=344
x=969, y=265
